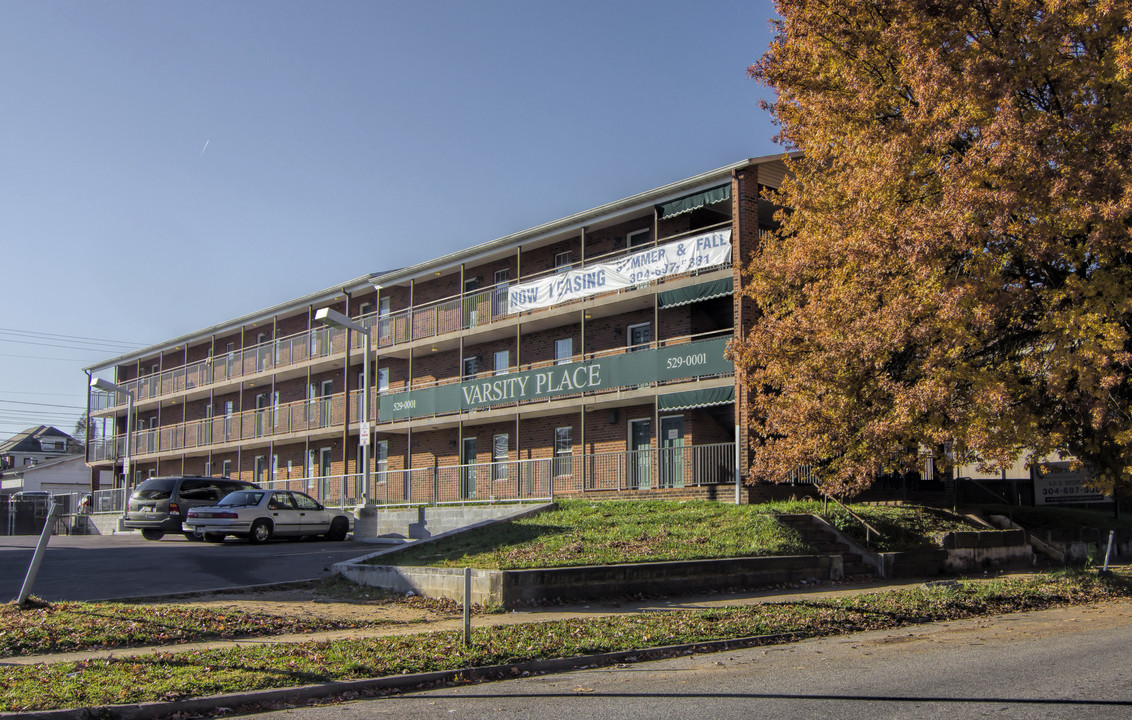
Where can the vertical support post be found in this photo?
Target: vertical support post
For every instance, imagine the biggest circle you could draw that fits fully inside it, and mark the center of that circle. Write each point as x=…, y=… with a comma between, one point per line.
x=738, y=471
x=467, y=607
x=37, y=556
x=1108, y=552
x=128, y=483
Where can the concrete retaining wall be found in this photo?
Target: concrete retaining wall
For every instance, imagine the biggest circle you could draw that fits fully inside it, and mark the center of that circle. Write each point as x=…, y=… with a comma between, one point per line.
x=510, y=588
x=428, y=522
x=914, y=563
x=982, y=549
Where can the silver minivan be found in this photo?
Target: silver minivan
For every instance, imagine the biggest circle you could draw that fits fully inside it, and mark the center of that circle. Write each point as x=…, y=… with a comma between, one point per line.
x=159, y=504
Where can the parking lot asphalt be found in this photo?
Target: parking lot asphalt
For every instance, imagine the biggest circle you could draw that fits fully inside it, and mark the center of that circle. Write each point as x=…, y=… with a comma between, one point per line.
x=107, y=567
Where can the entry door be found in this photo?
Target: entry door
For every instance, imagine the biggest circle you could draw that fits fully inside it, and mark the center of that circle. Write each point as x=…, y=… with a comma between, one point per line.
x=260, y=409
x=639, y=461
x=468, y=472
x=672, y=451
x=325, y=391
x=323, y=474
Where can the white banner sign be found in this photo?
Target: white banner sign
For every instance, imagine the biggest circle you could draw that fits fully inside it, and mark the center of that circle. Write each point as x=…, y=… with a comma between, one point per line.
x=702, y=251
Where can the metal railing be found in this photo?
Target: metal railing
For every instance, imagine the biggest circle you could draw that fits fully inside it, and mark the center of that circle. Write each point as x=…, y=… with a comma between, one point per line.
x=319, y=413
x=531, y=479
x=460, y=312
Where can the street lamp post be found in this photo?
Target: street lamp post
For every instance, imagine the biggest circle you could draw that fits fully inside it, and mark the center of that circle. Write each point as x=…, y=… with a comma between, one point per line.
x=107, y=386
x=333, y=318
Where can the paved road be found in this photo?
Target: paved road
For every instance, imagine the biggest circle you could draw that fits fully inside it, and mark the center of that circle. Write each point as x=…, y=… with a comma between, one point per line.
x=1070, y=663
x=104, y=567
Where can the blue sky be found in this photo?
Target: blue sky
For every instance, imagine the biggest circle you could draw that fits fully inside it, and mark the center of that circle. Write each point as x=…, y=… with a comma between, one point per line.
x=166, y=166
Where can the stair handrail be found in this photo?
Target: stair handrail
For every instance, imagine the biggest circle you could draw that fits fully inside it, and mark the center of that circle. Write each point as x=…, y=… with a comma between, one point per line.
x=856, y=517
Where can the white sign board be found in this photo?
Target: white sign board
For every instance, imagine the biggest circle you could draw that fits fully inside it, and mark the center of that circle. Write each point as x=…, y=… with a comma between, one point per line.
x=363, y=433
x=1057, y=483
x=702, y=251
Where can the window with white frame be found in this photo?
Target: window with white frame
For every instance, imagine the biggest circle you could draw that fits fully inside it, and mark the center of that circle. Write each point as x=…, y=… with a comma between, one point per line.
x=637, y=238
x=471, y=367
x=500, y=444
x=563, y=448
x=563, y=261
x=638, y=336
x=563, y=351
x=502, y=362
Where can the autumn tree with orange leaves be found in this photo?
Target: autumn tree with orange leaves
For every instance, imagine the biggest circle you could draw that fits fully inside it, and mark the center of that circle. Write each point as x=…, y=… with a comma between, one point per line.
x=953, y=272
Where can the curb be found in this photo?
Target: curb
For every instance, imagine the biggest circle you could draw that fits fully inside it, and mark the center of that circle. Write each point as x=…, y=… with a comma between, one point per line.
x=241, y=702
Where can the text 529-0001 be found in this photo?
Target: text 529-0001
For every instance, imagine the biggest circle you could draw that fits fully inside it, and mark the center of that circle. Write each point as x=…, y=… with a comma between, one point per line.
x=683, y=361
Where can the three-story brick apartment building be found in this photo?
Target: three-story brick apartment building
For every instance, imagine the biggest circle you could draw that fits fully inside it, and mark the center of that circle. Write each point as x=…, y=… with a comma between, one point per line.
x=585, y=355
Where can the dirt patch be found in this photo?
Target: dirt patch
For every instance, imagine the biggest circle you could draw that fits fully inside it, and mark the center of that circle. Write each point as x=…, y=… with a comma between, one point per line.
x=332, y=599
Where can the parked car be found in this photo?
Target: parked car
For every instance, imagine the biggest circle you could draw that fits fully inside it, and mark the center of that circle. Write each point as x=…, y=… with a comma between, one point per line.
x=260, y=515
x=158, y=505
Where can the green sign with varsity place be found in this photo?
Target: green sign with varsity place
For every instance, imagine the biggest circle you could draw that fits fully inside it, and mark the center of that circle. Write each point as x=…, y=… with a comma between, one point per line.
x=629, y=369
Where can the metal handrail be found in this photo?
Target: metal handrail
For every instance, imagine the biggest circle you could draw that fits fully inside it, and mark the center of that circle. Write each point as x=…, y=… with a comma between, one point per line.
x=855, y=516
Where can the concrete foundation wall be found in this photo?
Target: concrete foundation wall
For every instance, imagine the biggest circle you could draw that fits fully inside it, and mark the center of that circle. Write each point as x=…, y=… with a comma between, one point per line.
x=510, y=588
x=429, y=522
x=978, y=550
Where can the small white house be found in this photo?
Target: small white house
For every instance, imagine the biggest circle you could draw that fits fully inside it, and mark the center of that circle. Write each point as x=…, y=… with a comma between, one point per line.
x=58, y=476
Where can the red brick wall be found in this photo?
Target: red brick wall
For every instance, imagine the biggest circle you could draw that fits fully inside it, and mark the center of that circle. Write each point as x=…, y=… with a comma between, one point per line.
x=613, y=239
x=538, y=347
x=538, y=260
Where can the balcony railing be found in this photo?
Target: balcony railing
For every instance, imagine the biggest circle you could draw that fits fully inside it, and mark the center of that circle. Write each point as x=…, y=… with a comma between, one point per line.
x=461, y=312
x=536, y=479
x=545, y=478
x=319, y=413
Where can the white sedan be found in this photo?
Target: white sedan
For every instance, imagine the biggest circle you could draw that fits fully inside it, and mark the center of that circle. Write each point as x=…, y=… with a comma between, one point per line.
x=260, y=515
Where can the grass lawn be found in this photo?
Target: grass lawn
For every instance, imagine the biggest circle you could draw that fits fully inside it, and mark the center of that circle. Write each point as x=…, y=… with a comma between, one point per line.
x=174, y=676
x=902, y=527
x=71, y=626
x=579, y=532
x=611, y=532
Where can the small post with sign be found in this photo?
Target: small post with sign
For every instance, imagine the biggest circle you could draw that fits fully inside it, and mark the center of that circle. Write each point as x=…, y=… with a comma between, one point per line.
x=37, y=556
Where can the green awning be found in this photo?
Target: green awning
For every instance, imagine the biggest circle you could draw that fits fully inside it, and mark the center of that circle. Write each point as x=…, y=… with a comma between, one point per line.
x=692, y=202
x=696, y=293
x=690, y=399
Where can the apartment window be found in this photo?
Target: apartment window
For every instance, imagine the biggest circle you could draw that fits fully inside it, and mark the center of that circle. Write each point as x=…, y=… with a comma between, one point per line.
x=382, y=379
x=502, y=362
x=499, y=302
x=563, y=447
x=262, y=352
x=563, y=351
x=384, y=327
x=563, y=261
x=365, y=308
x=226, y=468
x=381, y=456
x=208, y=468
x=499, y=445
x=471, y=367
x=274, y=468
x=637, y=238
x=257, y=469
x=638, y=336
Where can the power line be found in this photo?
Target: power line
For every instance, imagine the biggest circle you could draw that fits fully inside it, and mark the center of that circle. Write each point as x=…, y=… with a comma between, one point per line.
x=81, y=346
x=60, y=336
x=22, y=402
x=47, y=357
